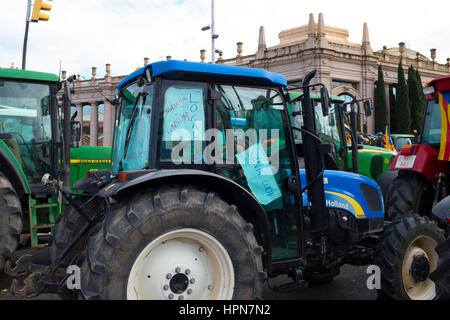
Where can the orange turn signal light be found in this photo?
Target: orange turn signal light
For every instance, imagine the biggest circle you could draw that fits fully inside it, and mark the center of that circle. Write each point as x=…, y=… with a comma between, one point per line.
x=122, y=177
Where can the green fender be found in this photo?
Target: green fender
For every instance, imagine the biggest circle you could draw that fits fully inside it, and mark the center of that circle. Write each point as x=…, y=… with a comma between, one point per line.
x=9, y=161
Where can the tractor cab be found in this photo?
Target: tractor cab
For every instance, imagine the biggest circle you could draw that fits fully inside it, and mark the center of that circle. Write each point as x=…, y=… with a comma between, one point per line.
x=423, y=168
x=30, y=148
x=438, y=95
x=27, y=118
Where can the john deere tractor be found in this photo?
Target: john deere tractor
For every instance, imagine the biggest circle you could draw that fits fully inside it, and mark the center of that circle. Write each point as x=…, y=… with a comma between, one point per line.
x=31, y=146
x=206, y=200
x=370, y=161
x=424, y=168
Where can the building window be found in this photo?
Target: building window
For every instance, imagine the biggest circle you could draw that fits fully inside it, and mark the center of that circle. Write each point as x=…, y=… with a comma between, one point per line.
x=86, y=131
x=337, y=83
x=392, y=103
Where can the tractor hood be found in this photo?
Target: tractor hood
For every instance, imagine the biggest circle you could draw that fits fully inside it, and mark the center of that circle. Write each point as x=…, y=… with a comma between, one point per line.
x=361, y=196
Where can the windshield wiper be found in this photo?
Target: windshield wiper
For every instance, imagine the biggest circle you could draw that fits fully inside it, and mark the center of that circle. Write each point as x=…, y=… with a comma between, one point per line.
x=132, y=122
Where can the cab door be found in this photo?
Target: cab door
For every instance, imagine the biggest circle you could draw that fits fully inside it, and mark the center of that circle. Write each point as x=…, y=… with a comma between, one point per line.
x=258, y=154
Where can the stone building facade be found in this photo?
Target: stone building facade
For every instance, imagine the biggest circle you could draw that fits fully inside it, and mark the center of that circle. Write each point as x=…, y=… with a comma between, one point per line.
x=348, y=69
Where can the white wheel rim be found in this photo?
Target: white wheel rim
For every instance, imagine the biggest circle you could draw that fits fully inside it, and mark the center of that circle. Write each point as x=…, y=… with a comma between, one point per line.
x=184, y=264
x=419, y=290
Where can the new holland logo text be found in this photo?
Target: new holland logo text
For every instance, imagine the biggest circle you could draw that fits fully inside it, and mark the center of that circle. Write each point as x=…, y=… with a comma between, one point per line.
x=337, y=204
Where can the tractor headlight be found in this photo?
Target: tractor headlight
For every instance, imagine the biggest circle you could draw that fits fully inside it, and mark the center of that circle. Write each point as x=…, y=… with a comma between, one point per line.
x=372, y=197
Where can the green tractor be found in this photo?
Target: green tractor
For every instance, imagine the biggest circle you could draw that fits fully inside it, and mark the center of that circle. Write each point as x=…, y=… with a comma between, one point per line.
x=371, y=161
x=31, y=146
x=205, y=199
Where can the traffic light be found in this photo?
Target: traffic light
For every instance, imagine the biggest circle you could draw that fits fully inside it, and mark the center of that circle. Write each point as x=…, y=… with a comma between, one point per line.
x=37, y=14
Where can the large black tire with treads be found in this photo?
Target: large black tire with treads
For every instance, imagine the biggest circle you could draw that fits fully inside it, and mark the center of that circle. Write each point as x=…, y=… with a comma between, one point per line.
x=67, y=227
x=441, y=276
x=385, y=180
x=406, y=256
x=177, y=229
x=10, y=220
x=409, y=193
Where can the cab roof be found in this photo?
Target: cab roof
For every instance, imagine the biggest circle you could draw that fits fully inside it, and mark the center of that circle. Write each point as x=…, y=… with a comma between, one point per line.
x=28, y=75
x=441, y=84
x=183, y=70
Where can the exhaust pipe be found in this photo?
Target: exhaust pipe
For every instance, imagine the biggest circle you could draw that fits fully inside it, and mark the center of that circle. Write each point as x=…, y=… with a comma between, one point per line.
x=67, y=129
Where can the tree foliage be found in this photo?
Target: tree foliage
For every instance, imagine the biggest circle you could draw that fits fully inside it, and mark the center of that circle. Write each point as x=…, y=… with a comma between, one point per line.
x=418, y=101
x=403, y=105
x=380, y=103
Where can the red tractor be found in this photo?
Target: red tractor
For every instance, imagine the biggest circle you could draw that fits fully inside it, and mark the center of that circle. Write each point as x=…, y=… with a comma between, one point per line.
x=424, y=169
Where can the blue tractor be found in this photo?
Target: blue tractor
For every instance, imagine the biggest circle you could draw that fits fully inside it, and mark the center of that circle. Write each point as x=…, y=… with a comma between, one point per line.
x=205, y=198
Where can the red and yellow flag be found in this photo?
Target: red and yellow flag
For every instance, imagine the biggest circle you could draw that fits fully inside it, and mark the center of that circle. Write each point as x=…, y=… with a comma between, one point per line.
x=389, y=144
x=444, y=153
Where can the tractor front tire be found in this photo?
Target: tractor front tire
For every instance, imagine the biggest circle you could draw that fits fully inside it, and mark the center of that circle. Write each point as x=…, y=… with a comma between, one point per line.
x=409, y=193
x=441, y=276
x=406, y=256
x=173, y=243
x=10, y=220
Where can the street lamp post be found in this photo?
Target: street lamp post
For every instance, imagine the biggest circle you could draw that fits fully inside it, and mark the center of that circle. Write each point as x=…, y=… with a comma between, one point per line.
x=36, y=16
x=25, y=40
x=214, y=36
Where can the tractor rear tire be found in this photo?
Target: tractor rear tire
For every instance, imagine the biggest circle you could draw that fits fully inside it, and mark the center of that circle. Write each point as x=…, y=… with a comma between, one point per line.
x=173, y=243
x=406, y=256
x=385, y=180
x=67, y=227
x=10, y=220
x=409, y=193
x=441, y=276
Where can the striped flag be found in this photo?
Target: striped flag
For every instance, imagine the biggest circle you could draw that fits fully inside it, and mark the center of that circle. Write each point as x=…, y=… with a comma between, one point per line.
x=388, y=141
x=444, y=153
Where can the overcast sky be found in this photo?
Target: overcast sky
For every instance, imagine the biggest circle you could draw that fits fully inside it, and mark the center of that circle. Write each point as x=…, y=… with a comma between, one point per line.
x=86, y=33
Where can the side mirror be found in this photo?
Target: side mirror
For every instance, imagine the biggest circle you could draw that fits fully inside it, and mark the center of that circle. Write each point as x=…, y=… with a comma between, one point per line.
x=368, y=108
x=76, y=134
x=325, y=100
x=70, y=86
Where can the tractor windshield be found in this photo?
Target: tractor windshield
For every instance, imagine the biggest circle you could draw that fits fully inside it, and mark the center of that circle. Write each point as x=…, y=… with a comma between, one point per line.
x=327, y=127
x=132, y=133
x=25, y=126
x=432, y=127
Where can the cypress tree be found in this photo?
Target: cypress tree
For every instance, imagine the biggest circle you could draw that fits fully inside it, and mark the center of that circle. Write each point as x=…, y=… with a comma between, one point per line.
x=416, y=98
x=380, y=103
x=403, y=106
x=421, y=104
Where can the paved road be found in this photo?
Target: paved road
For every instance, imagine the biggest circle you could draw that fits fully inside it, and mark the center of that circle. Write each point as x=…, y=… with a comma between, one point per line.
x=349, y=285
